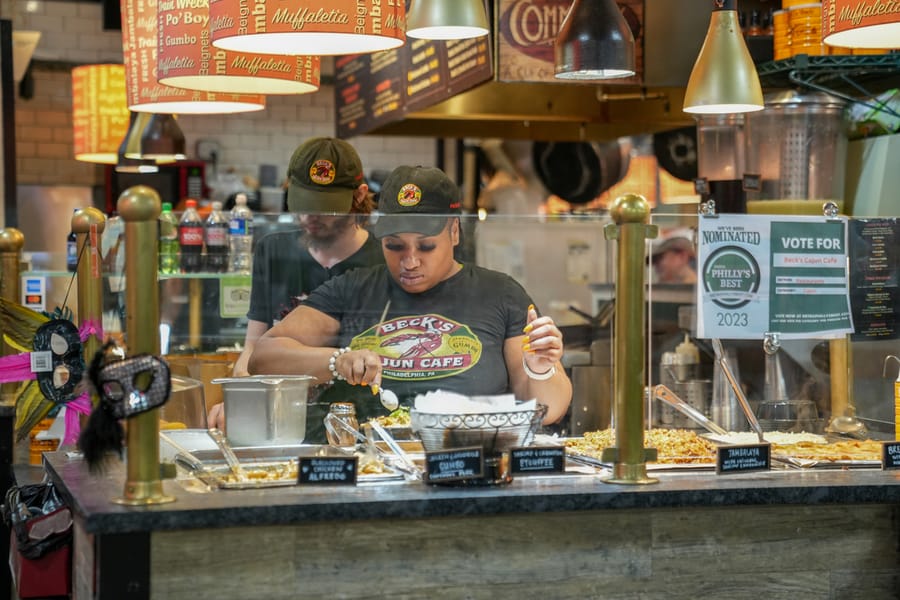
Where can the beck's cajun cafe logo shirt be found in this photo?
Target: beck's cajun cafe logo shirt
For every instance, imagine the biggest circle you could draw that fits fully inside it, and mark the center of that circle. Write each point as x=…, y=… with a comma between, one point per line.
x=421, y=347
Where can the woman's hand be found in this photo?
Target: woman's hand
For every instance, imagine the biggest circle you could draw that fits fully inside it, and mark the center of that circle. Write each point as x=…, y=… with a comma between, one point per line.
x=542, y=346
x=359, y=367
x=216, y=417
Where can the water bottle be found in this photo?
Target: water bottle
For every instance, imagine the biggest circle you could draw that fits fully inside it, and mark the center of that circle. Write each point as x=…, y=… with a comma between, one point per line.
x=72, y=252
x=240, y=229
x=190, y=238
x=215, y=231
x=168, y=240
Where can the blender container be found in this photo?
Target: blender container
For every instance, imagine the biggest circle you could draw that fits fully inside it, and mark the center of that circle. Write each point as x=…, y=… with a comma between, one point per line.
x=720, y=160
x=798, y=147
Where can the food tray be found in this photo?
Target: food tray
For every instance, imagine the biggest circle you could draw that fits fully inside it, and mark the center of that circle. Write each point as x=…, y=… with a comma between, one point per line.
x=494, y=431
x=651, y=466
x=219, y=475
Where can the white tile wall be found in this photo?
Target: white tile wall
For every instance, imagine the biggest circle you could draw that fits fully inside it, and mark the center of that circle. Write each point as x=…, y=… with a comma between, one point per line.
x=73, y=34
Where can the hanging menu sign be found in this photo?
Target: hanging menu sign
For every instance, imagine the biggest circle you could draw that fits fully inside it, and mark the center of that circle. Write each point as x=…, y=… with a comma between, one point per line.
x=761, y=274
x=372, y=90
x=875, y=278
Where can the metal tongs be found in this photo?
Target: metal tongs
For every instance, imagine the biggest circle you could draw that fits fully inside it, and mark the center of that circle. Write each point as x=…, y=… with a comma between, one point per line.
x=722, y=360
x=404, y=463
x=671, y=398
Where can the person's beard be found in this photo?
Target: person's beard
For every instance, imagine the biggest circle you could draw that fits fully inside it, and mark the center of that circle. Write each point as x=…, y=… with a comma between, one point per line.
x=326, y=231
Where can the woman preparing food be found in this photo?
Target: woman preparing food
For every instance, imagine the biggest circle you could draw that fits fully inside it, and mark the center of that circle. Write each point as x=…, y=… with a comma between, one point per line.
x=436, y=323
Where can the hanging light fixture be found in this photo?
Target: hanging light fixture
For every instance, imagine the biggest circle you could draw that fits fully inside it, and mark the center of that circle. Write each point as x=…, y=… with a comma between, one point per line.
x=187, y=60
x=162, y=139
x=318, y=27
x=594, y=42
x=144, y=93
x=860, y=25
x=129, y=152
x=99, y=114
x=447, y=19
x=724, y=78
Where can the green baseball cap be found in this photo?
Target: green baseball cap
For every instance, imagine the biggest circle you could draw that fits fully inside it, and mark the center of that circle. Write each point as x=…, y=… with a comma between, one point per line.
x=323, y=174
x=409, y=195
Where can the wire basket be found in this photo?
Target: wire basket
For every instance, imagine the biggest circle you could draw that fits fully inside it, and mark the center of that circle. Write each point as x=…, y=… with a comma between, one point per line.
x=494, y=432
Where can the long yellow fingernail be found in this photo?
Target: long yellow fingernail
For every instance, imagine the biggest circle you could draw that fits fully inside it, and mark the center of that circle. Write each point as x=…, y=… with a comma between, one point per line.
x=526, y=347
x=528, y=328
x=531, y=307
x=526, y=340
x=374, y=389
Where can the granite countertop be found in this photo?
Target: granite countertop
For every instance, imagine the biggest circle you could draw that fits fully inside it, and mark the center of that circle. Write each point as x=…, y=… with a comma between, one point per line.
x=91, y=497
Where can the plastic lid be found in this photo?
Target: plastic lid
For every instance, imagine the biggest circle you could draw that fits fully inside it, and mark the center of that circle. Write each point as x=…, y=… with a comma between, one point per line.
x=167, y=207
x=240, y=199
x=190, y=203
x=216, y=205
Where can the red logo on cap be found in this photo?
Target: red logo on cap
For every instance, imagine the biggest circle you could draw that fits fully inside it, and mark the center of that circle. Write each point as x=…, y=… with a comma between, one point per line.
x=322, y=172
x=409, y=195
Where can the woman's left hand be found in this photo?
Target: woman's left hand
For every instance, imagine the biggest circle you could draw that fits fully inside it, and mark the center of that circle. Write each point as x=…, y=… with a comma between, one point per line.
x=543, y=343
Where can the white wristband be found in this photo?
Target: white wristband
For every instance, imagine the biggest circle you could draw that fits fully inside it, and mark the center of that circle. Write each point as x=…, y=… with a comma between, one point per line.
x=538, y=376
x=335, y=376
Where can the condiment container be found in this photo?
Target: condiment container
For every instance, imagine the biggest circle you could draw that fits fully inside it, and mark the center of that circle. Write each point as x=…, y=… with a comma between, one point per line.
x=265, y=410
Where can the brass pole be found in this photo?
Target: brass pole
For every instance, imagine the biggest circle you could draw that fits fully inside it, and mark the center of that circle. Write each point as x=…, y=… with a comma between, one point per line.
x=139, y=207
x=630, y=214
x=88, y=224
x=11, y=243
x=839, y=370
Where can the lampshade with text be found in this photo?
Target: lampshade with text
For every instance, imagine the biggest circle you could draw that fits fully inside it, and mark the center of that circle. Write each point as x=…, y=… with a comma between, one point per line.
x=186, y=59
x=319, y=27
x=144, y=93
x=861, y=23
x=99, y=115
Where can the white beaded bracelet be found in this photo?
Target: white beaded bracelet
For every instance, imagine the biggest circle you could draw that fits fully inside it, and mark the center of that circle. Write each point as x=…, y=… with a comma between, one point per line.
x=335, y=376
x=538, y=376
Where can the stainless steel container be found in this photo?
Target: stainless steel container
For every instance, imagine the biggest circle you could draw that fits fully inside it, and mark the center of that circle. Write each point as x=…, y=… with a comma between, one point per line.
x=265, y=410
x=798, y=147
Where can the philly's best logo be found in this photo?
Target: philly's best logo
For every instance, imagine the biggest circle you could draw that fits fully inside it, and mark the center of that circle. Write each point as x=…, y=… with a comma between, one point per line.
x=731, y=277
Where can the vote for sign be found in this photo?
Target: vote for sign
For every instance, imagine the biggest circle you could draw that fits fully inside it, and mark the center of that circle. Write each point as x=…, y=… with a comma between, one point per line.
x=761, y=274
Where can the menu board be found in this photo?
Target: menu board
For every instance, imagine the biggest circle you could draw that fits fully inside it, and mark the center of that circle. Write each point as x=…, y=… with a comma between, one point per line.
x=372, y=90
x=527, y=30
x=875, y=278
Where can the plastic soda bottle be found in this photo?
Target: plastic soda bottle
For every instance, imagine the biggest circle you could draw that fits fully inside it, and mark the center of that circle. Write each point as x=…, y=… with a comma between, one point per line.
x=190, y=238
x=215, y=231
x=168, y=240
x=240, y=229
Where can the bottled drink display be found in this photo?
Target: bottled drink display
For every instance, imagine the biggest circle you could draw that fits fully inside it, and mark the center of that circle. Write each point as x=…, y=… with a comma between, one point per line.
x=240, y=229
x=190, y=238
x=168, y=240
x=215, y=232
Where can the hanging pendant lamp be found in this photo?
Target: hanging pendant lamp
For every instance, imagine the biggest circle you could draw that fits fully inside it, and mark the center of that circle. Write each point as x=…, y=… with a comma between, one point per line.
x=594, y=42
x=140, y=35
x=188, y=60
x=100, y=117
x=129, y=153
x=447, y=19
x=316, y=27
x=855, y=24
x=162, y=139
x=724, y=78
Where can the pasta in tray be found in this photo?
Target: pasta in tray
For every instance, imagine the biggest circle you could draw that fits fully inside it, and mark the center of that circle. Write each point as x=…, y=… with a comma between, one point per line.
x=674, y=446
x=855, y=450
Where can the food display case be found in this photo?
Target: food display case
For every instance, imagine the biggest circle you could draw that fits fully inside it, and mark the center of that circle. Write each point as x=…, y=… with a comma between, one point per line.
x=415, y=539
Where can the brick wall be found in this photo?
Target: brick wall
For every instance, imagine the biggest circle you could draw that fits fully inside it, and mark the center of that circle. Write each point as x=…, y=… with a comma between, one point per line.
x=72, y=34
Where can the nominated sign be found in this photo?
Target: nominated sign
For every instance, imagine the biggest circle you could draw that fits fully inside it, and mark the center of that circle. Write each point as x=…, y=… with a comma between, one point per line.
x=762, y=274
x=740, y=459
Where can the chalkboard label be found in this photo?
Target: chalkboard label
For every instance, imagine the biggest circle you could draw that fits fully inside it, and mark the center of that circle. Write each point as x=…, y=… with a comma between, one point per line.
x=327, y=471
x=545, y=459
x=454, y=465
x=739, y=459
x=752, y=182
x=890, y=455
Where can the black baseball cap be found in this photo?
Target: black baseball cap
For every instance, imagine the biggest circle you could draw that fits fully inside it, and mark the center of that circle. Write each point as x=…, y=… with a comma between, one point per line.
x=323, y=174
x=409, y=195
